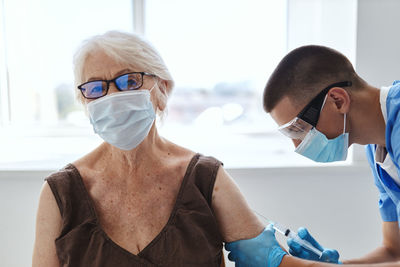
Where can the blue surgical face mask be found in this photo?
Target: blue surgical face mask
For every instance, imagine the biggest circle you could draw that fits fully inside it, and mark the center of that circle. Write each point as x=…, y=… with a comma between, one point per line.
x=122, y=119
x=319, y=148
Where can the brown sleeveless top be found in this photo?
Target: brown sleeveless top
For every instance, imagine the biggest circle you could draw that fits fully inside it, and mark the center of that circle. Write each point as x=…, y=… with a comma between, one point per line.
x=190, y=237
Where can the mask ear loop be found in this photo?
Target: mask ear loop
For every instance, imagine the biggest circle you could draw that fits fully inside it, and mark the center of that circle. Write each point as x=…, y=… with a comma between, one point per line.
x=322, y=107
x=323, y=104
x=154, y=85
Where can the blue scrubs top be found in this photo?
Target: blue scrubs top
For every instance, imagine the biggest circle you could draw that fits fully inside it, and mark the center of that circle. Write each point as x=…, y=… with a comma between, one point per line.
x=389, y=191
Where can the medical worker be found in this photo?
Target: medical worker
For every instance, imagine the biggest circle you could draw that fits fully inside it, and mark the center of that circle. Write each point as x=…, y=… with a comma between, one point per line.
x=324, y=106
x=321, y=103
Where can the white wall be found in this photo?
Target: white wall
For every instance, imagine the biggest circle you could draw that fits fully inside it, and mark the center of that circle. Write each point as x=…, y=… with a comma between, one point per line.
x=19, y=192
x=378, y=41
x=320, y=22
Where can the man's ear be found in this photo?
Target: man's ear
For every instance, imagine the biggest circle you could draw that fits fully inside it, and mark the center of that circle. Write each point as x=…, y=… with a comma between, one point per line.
x=341, y=98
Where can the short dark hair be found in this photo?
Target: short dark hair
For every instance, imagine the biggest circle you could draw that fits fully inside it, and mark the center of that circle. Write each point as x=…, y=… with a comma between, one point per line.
x=306, y=71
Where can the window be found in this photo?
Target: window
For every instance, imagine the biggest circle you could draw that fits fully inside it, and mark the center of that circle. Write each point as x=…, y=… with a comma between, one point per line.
x=40, y=38
x=220, y=54
x=38, y=103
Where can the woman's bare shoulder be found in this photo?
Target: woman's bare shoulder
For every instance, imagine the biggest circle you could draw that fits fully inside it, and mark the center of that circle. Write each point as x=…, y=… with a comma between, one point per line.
x=47, y=201
x=178, y=154
x=48, y=228
x=91, y=164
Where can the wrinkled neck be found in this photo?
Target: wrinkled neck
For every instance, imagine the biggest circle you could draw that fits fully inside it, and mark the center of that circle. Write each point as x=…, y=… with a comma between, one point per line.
x=140, y=157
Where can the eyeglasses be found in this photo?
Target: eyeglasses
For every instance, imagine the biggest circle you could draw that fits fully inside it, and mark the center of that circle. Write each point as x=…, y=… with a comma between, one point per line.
x=124, y=82
x=308, y=117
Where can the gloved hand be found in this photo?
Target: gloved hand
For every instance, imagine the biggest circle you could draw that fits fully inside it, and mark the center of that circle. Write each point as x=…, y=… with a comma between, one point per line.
x=262, y=250
x=295, y=249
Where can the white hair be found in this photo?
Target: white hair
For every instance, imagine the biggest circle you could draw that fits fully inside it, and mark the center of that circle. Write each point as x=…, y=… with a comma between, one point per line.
x=125, y=48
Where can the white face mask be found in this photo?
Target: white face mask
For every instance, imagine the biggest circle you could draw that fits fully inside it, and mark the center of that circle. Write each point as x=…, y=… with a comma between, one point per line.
x=123, y=119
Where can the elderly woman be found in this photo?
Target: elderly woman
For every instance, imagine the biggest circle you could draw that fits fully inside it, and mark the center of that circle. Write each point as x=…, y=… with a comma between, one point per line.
x=137, y=199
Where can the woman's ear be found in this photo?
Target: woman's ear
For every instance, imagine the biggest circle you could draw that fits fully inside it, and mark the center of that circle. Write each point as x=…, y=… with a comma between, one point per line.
x=341, y=99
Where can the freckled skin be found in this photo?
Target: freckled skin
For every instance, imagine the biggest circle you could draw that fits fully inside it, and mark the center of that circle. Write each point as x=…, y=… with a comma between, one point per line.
x=133, y=210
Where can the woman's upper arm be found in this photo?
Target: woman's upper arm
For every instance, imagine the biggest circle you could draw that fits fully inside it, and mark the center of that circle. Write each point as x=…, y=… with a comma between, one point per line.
x=235, y=218
x=48, y=227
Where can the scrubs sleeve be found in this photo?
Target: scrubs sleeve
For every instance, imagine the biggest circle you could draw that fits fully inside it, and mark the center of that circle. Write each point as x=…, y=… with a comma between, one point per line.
x=387, y=208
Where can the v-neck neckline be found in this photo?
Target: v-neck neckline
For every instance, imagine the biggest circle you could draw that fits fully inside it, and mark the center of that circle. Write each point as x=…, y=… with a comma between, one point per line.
x=193, y=160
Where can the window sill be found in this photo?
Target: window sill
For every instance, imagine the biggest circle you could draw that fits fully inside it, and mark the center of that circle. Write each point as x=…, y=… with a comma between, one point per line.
x=51, y=150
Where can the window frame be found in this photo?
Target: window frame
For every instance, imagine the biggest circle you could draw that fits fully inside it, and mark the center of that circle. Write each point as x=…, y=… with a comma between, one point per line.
x=5, y=109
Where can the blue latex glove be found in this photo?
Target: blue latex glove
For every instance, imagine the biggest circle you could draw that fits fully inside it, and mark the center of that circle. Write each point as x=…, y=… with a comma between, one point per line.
x=263, y=250
x=328, y=255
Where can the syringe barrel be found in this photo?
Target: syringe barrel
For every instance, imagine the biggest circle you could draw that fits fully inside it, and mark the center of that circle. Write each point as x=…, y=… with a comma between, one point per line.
x=304, y=243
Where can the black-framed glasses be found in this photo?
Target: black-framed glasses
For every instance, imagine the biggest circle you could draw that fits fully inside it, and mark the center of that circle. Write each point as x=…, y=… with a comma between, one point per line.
x=124, y=82
x=311, y=112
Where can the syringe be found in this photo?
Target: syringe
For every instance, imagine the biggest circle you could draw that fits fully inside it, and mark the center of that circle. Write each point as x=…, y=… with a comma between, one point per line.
x=291, y=234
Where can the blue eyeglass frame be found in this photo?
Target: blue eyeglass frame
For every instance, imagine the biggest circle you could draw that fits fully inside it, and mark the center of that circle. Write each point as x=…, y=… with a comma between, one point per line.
x=105, y=92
